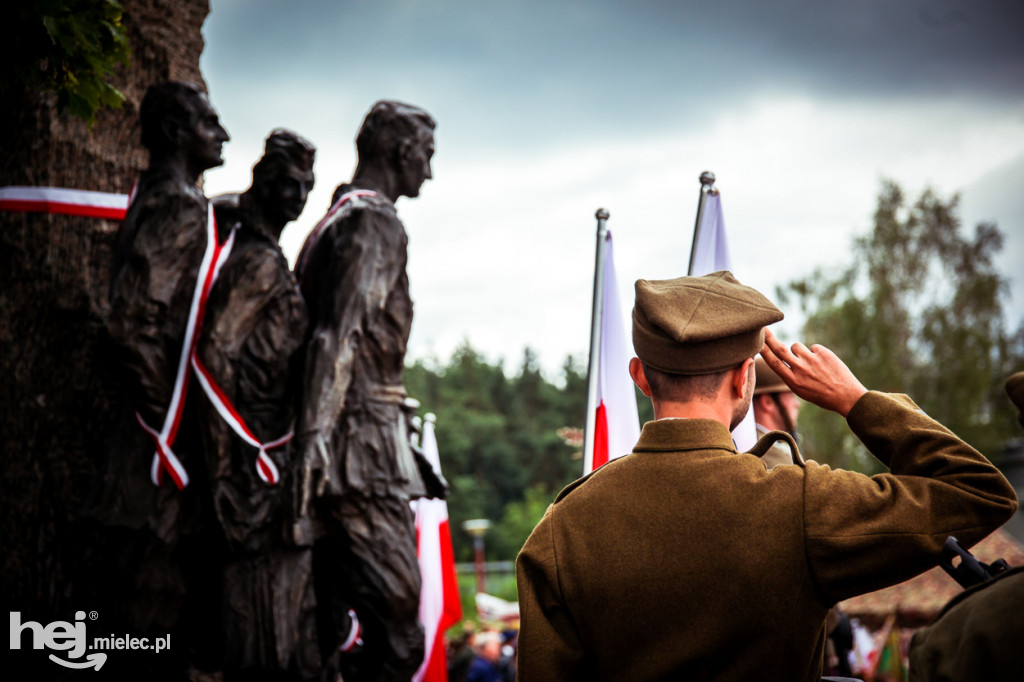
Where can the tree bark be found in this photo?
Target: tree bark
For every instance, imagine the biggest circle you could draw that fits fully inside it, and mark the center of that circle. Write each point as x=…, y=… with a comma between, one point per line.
x=56, y=400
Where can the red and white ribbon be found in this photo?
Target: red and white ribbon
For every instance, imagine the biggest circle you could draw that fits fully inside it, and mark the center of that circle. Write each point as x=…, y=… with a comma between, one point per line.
x=265, y=466
x=355, y=634
x=314, y=234
x=164, y=458
x=79, y=202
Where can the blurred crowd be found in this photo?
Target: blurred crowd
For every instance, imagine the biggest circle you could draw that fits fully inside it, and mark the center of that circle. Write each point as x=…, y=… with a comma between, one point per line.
x=485, y=655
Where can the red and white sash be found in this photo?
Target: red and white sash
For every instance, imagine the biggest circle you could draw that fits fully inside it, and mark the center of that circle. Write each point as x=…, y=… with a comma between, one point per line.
x=164, y=458
x=265, y=466
x=314, y=235
x=112, y=206
x=78, y=202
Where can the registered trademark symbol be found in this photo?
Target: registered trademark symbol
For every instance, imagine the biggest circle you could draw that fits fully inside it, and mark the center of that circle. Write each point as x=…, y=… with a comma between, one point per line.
x=93, y=615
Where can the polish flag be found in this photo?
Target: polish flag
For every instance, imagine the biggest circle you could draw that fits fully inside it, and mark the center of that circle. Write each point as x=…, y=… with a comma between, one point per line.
x=616, y=422
x=711, y=254
x=440, y=607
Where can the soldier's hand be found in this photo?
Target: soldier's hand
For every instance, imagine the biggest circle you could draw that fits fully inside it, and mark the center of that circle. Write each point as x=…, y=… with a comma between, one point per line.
x=815, y=374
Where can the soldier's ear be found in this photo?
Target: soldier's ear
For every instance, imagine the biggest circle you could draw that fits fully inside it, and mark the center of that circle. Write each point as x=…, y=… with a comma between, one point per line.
x=405, y=151
x=172, y=130
x=636, y=371
x=741, y=378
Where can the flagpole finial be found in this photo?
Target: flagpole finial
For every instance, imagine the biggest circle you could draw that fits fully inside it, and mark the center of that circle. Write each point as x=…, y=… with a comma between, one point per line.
x=603, y=214
x=707, y=180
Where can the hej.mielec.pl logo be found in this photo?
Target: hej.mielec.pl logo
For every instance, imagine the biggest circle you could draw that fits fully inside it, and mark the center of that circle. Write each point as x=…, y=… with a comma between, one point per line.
x=71, y=639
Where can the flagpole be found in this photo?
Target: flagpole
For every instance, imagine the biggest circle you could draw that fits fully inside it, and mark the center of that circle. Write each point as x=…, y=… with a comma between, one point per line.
x=595, y=339
x=707, y=186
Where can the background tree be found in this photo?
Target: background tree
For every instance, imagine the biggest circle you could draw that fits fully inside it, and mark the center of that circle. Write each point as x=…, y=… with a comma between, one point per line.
x=498, y=438
x=918, y=311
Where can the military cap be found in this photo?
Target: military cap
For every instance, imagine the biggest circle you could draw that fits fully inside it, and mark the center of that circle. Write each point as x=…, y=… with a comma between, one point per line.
x=1015, y=389
x=699, y=325
x=767, y=381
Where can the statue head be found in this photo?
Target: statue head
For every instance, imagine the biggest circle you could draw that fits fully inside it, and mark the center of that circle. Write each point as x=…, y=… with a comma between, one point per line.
x=398, y=137
x=178, y=121
x=283, y=177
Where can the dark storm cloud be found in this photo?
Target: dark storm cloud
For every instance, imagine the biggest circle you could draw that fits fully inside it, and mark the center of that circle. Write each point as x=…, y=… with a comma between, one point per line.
x=537, y=67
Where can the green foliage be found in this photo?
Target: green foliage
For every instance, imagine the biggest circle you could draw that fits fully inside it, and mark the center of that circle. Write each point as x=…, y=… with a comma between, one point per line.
x=519, y=520
x=918, y=311
x=70, y=47
x=499, y=441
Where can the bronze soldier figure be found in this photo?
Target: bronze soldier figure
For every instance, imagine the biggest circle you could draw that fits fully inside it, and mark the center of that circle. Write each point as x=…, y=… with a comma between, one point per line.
x=352, y=422
x=161, y=580
x=248, y=363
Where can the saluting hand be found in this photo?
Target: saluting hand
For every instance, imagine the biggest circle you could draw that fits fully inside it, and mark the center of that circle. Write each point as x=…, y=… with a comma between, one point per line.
x=815, y=374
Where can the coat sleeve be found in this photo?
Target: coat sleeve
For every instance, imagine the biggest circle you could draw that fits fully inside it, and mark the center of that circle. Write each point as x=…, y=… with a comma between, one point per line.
x=549, y=643
x=865, y=533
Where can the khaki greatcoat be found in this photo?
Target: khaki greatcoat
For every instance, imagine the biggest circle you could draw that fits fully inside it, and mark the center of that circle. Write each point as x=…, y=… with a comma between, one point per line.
x=688, y=561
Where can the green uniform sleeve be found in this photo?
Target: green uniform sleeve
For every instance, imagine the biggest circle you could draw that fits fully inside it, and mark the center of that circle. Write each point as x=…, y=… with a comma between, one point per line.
x=865, y=533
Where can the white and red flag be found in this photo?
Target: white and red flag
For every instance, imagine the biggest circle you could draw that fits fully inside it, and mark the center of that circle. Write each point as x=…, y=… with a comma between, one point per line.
x=611, y=410
x=440, y=606
x=711, y=254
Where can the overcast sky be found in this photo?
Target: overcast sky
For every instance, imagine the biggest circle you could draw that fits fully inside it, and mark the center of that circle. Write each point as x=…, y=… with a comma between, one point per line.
x=548, y=110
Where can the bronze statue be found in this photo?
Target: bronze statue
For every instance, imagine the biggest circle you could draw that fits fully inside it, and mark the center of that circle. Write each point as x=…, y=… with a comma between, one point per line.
x=352, y=424
x=247, y=362
x=157, y=535
x=162, y=240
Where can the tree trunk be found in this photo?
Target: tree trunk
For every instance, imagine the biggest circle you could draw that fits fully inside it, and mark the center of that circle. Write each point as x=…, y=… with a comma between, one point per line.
x=55, y=397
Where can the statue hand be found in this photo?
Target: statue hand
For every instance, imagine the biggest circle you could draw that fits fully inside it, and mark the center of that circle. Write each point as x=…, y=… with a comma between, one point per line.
x=315, y=475
x=434, y=480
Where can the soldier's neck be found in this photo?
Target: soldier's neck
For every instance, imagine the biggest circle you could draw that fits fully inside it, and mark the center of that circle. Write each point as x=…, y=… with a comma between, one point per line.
x=258, y=220
x=715, y=409
x=379, y=179
x=175, y=167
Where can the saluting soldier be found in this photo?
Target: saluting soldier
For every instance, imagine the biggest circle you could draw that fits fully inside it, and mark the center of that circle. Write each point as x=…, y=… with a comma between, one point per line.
x=686, y=560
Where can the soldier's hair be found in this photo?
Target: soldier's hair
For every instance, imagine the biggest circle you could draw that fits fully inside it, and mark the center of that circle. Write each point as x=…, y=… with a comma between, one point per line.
x=283, y=147
x=170, y=100
x=386, y=125
x=684, y=387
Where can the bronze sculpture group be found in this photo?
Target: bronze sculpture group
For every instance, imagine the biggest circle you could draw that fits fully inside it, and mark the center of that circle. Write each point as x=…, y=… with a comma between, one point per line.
x=261, y=485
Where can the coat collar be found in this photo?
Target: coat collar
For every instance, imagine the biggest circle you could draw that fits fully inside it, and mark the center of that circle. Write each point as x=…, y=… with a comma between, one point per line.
x=673, y=435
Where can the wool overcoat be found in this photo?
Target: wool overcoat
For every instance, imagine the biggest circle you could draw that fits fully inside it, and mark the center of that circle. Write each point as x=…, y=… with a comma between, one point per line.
x=977, y=636
x=686, y=560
